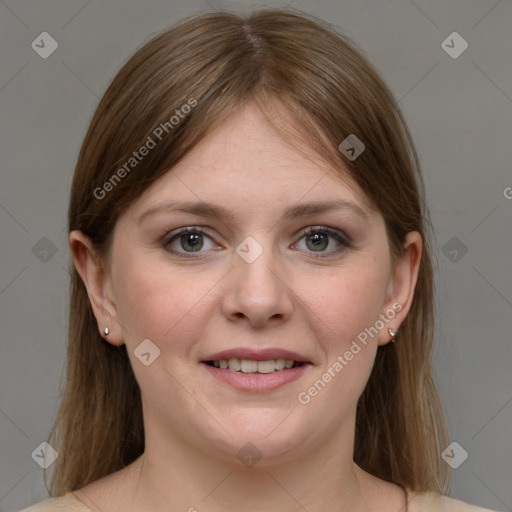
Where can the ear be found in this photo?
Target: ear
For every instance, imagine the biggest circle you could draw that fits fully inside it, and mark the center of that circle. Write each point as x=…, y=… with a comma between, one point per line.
x=97, y=281
x=401, y=287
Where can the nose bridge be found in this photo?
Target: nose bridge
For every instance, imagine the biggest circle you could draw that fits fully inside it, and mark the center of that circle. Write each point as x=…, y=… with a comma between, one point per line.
x=254, y=265
x=256, y=289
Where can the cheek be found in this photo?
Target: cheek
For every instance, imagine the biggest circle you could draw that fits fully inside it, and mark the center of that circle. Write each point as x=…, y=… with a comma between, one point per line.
x=343, y=314
x=168, y=307
x=349, y=302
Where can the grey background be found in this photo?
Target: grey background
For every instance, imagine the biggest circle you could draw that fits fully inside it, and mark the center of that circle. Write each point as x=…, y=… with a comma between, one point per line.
x=460, y=114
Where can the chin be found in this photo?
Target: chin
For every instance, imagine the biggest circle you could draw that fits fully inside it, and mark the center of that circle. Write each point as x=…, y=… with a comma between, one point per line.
x=259, y=436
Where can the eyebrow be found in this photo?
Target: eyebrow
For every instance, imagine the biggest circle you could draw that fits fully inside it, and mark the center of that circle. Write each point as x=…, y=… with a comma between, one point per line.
x=204, y=209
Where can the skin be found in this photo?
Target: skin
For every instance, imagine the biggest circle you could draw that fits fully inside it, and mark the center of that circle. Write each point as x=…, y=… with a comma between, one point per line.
x=290, y=297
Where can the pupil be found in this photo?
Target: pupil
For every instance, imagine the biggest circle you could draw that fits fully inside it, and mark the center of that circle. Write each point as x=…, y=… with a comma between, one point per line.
x=318, y=240
x=193, y=240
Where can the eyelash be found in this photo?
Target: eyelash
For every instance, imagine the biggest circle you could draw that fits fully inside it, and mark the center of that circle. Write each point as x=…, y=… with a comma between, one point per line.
x=344, y=240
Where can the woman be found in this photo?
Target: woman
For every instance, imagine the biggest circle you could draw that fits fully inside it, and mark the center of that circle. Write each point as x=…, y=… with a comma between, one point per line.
x=252, y=307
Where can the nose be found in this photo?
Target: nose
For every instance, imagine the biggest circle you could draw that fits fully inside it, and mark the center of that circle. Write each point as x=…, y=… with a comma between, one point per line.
x=257, y=293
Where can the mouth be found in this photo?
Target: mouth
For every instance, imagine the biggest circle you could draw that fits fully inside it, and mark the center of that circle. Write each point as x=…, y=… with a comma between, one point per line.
x=254, y=366
x=256, y=370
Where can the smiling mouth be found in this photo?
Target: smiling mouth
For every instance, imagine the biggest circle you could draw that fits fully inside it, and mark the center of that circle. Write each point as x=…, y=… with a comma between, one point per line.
x=253, y=366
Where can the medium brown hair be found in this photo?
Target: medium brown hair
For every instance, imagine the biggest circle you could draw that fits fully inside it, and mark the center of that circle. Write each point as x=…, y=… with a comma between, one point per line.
x=318, y=88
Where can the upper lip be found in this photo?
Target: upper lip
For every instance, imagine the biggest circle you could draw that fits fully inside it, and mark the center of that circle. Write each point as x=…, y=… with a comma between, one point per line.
x=257, y=355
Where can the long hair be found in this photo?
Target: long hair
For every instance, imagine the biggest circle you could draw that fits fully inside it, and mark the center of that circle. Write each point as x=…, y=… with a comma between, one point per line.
x=318, y=88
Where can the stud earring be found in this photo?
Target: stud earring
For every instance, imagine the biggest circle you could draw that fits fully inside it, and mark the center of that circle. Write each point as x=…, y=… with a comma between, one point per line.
x=106, y=331
x=392, y=333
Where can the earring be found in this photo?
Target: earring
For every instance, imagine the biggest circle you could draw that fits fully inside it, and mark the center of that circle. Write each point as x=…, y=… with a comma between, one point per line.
x=392, y=333
x=106, y=331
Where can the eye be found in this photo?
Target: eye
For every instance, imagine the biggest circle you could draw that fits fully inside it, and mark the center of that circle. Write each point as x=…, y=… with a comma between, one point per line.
x=322, y=239
x=188, y=240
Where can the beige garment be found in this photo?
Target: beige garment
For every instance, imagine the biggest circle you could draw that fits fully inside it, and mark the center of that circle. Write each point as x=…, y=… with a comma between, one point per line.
x=425, y=502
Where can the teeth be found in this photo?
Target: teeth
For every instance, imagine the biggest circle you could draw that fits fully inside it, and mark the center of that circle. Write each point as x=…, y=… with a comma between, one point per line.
x=248, y=366
x=266, y=366
x=280, y=364
x=251, y=366
x=234, y=365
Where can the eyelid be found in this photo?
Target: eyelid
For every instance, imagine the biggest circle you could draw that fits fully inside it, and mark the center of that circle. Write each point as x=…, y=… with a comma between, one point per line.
x=336, y=233
x=169, y=235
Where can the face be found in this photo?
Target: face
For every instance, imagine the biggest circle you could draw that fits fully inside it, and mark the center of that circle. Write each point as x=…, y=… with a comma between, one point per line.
x=250, y=255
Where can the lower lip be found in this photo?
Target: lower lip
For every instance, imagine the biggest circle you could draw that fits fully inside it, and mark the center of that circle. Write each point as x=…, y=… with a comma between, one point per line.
x=257, y=382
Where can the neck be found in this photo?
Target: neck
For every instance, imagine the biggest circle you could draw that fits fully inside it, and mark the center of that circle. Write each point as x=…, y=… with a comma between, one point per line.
x=325, y=479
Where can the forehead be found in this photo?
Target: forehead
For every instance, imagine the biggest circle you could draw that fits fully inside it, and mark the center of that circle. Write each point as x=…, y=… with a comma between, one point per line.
x=245, y=162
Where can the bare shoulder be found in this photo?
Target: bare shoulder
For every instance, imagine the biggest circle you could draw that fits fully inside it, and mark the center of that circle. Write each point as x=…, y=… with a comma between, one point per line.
x=380, y=494
x=434, y=502
x=112, y=492
x=104, y=494
x=66, y=503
